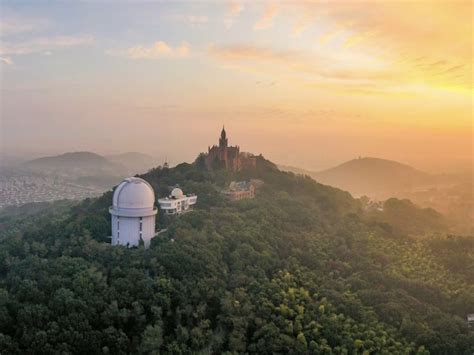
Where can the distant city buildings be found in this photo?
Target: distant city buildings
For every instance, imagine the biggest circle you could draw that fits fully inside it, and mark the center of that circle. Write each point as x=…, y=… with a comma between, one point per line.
x=227, y=157
x=177, y=202
x=240, y=190
x=20, y=187
x=133, y=213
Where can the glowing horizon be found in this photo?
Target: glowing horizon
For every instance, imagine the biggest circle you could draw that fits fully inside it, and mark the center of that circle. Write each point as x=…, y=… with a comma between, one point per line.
x=308, y=84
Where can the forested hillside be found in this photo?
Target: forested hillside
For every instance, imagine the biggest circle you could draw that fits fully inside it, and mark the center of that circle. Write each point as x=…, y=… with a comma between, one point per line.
x=299, y=269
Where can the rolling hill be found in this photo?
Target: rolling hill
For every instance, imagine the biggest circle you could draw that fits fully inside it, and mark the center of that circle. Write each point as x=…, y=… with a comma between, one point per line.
x=75, y=163
x=381, y=179
x=373, y=177
x=91, y=164
x=88, y=169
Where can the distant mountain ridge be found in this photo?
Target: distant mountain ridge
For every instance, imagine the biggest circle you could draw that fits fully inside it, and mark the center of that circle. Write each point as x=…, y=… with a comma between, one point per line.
x=89, y=163
x=72, y=175
x=75, y=163
x=90, y=169
x=68, y=158
x=370, y=176
x=381, y=179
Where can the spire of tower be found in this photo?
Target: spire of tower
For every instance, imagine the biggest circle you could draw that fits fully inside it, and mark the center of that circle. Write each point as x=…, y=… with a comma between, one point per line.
x=223, y=139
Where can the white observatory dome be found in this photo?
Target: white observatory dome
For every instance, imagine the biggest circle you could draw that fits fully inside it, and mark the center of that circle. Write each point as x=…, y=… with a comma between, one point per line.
x=177, y=193
x=133, y=213
x=134, y=193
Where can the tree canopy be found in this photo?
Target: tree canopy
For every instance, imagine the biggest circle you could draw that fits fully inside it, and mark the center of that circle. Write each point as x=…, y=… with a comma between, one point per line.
x=299, y=269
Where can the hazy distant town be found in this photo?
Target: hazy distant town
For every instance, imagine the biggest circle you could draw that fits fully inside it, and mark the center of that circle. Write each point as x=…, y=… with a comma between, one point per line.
x=72, y=176
x=20, y=187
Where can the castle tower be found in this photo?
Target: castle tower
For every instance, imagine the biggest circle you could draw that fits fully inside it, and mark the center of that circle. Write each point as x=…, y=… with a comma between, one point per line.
x=223, y=139
x=223, y=156
x=133, y=213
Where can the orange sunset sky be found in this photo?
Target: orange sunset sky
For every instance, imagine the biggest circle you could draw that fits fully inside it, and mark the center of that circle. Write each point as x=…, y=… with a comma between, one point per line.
x=309, y=84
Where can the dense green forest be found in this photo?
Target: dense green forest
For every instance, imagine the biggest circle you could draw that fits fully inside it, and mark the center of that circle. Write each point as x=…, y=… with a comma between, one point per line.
x=302, y=268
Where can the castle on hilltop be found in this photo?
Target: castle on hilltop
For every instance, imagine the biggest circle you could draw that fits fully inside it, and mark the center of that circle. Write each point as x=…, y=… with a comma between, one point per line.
x=227, y=157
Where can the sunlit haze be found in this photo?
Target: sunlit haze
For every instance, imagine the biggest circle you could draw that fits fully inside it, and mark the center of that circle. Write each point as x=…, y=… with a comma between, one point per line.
x=305, y=84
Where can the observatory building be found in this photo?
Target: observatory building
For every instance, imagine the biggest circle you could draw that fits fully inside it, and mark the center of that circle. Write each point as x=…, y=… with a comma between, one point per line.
x=133, y=213
x=177, y=202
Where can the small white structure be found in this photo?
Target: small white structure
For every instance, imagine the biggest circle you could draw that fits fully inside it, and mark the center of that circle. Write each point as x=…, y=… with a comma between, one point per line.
x=470, y=320
x=133, y=213
x=177, y=202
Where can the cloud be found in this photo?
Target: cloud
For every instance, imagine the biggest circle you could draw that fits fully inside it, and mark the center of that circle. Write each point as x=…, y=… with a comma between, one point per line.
x=197, y=19
x=233, y=11
x=286, y=62
x=302, y=24
x=249, y=52
x=266, y=20
x=383, y=46
x=157, y=50
x=342, y=71
x=315, y=69
x=291, y=61
x=13, y=24
x=411, y=36
x=192, y=20
x=6, y=60
x=329, y=36
x=44, y=44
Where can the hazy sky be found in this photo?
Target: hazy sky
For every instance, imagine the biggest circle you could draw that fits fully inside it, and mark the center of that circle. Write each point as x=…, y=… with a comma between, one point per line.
x=307, y=84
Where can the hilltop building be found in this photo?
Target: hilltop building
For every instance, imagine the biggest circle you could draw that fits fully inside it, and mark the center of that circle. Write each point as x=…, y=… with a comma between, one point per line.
x=240, y=190
x=227, y=157
x=177, y=202
x=470, y=320
x=133, y=213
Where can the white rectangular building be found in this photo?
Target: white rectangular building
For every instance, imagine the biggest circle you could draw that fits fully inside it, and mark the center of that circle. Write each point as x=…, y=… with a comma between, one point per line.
x=177, y=202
